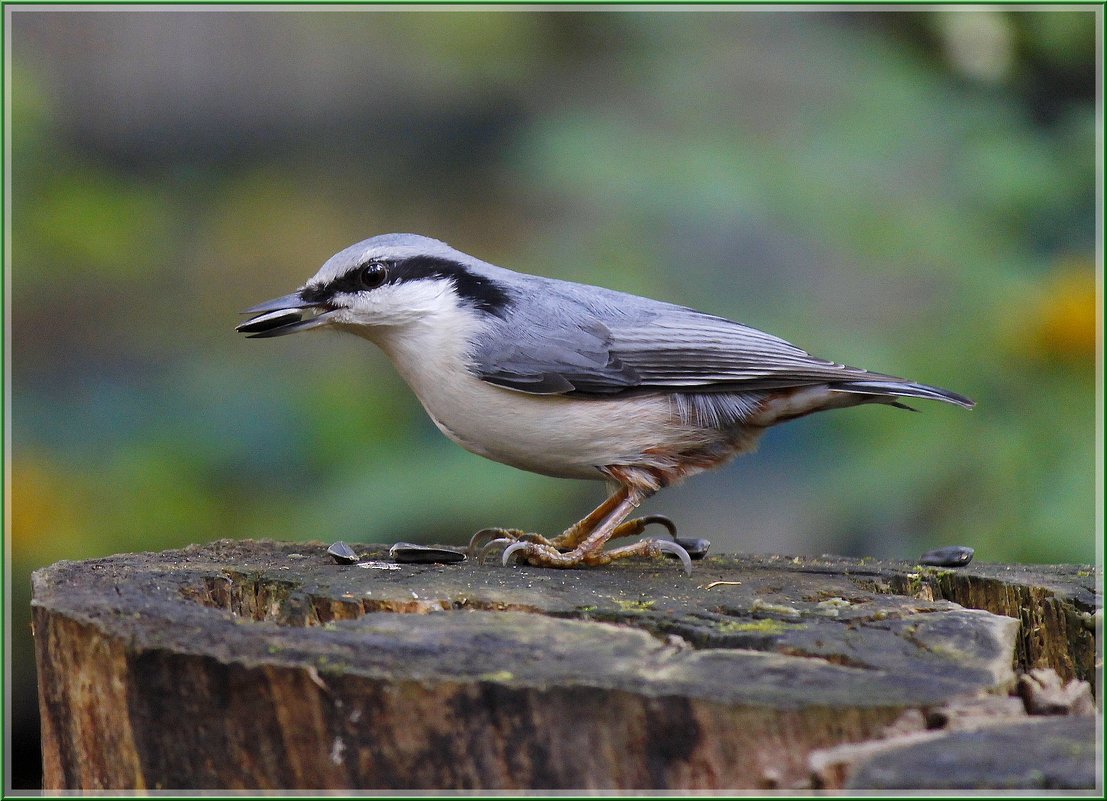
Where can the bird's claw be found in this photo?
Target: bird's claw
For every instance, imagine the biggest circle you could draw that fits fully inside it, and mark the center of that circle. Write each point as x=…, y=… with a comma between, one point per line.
x=499, y=542
x=694, y=548
x=499, y=538
x=665, y=546
x=537, y=554
x=661, y=520
x=511, y=549
x=566, y=551
x=476, y=547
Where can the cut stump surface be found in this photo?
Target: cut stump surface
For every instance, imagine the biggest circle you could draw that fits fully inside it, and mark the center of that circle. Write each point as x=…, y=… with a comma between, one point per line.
x=263, y=665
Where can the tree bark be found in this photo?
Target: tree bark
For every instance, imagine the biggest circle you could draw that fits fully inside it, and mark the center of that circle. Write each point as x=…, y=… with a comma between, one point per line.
x=263, y=665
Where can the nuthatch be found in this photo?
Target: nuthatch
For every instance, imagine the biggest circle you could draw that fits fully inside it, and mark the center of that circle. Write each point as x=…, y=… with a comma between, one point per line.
x=571, y=380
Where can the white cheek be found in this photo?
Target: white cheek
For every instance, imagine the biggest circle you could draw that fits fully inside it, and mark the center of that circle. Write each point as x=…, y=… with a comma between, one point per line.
x=394, y=304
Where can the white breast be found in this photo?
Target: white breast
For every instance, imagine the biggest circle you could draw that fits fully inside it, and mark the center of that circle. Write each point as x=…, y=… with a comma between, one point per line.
x=549, y=434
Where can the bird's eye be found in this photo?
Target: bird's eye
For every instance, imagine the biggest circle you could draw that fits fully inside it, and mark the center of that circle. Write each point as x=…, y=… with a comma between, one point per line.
x=373, y=275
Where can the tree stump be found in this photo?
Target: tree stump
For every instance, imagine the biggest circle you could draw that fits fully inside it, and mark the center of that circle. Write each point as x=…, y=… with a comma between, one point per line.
x=265, y=665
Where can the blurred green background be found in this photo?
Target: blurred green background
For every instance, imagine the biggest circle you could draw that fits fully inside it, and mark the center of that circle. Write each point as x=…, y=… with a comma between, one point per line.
x=910, y=192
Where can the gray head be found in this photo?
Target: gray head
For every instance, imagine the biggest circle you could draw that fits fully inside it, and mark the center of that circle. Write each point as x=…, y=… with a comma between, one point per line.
x=388, y=280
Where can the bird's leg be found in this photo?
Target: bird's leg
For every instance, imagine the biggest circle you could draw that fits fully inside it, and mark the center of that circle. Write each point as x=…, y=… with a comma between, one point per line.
x=589, y=548
x=487, y=538
x=606, y=518
x=576, y=533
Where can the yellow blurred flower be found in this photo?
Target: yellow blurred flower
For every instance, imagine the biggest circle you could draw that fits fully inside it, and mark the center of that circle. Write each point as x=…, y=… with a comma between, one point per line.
x=43, y=509
x=1060, y=324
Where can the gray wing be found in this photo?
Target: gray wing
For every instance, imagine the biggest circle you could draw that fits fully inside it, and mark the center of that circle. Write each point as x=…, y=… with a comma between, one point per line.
x=566, y=338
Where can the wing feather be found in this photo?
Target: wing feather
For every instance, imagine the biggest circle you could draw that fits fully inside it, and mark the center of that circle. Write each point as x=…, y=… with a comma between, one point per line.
x=567, y=338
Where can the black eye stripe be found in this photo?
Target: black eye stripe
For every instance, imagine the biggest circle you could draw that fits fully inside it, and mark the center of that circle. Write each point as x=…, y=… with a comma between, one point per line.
x=344, y=284
x=484, y=293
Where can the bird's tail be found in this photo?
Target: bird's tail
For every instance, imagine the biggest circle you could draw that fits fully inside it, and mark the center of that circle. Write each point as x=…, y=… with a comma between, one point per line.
x=903, y=389
x=788, y=404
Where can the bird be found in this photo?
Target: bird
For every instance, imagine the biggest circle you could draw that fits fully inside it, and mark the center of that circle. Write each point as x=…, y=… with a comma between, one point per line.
x=570, y=380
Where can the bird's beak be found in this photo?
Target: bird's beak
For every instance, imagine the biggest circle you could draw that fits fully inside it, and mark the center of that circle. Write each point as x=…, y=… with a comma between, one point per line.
x=286, y=315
